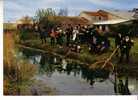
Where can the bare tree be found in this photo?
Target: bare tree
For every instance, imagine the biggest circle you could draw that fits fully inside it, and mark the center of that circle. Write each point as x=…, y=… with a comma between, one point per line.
x=43, y=16
x=63, y=12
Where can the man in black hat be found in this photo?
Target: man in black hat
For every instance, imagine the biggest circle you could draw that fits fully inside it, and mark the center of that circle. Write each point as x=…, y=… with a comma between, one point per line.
x=125, y=48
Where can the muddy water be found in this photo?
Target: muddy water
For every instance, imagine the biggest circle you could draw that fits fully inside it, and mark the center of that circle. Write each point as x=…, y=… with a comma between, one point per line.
x=70, y=78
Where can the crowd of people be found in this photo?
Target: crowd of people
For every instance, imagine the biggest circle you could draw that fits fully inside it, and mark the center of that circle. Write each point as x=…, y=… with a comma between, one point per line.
x=73, y=36
x=97, y=42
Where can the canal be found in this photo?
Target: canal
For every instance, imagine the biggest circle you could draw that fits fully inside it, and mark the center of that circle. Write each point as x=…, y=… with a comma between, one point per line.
x=71, y=78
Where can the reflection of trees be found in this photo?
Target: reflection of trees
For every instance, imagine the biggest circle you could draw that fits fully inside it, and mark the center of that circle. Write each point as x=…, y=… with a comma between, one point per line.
x=91, y=75
x=46, y=65
x=29, y=53
x=88, y=75
x=43, y=60
x=73, y=67
x=47, y=69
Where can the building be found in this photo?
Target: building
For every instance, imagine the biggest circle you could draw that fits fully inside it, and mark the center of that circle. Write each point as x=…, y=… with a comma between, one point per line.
x=25, y=23
x=114, y=17
x=72, y=20
x=118, y=14
x=94, y=16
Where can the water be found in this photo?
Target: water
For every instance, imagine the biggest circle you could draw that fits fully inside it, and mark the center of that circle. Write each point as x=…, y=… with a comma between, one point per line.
x=70, y=78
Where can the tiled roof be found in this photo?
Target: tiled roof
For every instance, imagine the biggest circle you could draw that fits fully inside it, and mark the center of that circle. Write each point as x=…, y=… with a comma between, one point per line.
x=71, y=20
x=95, y=13
x=122, y=14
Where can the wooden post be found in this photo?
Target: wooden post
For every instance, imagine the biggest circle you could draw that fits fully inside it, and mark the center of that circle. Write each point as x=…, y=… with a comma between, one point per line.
x=110, y=57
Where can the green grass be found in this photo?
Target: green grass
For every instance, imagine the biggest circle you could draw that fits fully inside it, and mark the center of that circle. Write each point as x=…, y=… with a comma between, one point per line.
x=135, y=48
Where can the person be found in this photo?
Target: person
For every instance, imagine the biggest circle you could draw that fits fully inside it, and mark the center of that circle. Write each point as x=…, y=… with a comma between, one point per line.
x=81, y=34
x=90, y=34
x=94, y=41
x=53, y=37
x=60, y=36
x=125, y=48
x=68, y=34
x=92, y=49
x=78, y=48
x=118, y=39
x=105, y=44
x=43, y=34
x=74, y=35
x=86, y=34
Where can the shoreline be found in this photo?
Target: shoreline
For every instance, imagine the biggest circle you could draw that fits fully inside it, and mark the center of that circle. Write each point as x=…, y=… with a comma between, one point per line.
x=81, y=59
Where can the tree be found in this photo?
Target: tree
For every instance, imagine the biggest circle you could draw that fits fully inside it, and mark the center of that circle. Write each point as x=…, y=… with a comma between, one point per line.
x=122, y=28
x=63, y=12
x=45, y=18
x=26, y=20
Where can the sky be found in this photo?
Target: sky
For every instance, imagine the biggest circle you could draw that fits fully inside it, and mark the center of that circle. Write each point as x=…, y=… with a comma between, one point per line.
x=15, y=9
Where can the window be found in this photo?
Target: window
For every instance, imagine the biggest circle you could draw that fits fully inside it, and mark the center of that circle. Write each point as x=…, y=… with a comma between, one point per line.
x=100, y=18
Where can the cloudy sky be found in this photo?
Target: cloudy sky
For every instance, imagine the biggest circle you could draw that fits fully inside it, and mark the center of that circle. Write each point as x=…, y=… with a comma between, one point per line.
x=14, y=9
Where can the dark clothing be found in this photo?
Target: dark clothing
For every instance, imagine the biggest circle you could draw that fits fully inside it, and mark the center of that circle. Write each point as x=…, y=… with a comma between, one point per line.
x=43, y=36
x=125, y=48
x=52, y=41
x=81, y=35
x=118, y=40
x=68, y=35
x=86, y=35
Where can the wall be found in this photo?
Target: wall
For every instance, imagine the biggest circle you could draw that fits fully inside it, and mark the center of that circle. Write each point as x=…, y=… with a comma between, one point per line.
x=93, y=18
x=86, y=17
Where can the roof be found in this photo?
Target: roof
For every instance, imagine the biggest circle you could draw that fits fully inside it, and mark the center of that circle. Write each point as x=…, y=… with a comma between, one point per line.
x=70, y=20
x=94, y=13
x=111, y=22
x=122, y=14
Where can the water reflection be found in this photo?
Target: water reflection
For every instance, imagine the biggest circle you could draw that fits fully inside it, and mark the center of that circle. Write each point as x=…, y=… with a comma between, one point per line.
x=51, y=64
x=121, y=86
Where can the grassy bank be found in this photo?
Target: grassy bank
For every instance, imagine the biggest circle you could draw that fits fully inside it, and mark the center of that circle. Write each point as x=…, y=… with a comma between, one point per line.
x=85, y=57
x=18, y=72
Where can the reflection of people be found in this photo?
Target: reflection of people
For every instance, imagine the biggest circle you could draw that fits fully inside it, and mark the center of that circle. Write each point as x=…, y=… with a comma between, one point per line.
x=92, y=82
x=64, y=64
x=127, y=92
x=121, y=88
x=43, y=59
x=69, y=69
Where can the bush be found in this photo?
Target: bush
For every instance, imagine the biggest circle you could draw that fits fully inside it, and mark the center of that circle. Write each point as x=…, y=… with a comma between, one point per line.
x=17, y=72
